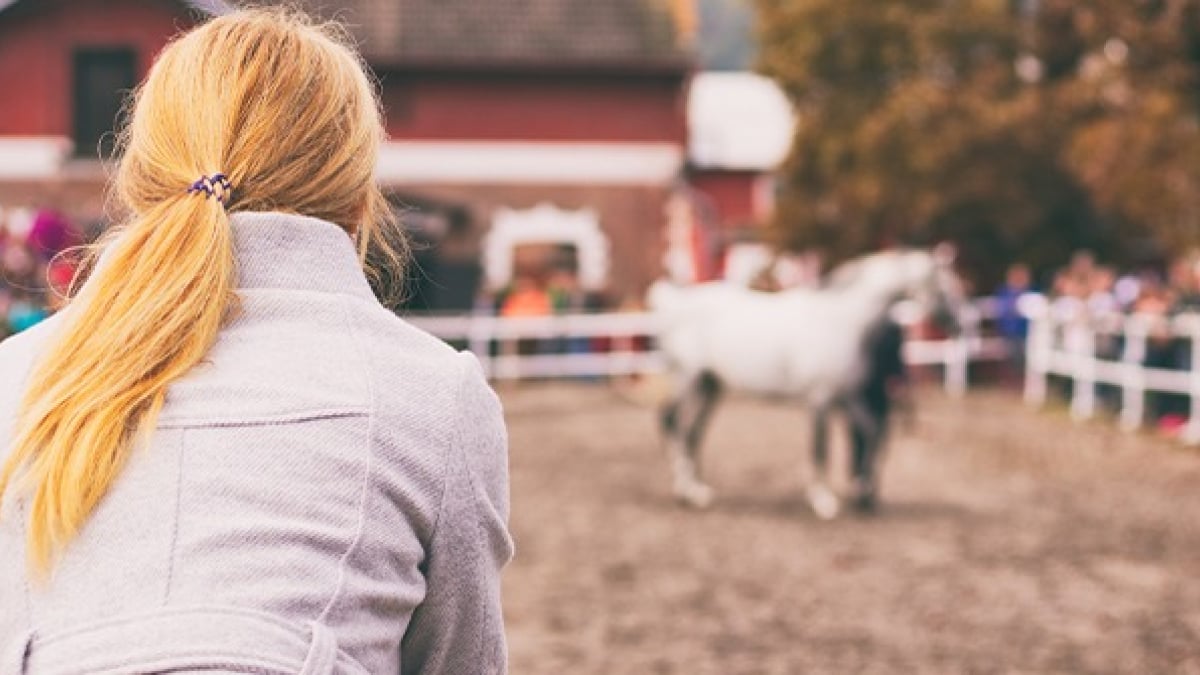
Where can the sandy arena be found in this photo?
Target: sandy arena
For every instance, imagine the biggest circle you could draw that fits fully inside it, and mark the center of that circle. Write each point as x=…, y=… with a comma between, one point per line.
x=1009, y=541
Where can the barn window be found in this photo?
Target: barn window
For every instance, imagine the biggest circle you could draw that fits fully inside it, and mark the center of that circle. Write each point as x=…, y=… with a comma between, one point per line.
x=102, y=78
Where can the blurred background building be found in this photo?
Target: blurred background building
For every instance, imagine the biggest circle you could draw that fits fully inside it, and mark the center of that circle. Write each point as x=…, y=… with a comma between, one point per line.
x=526, y=137
x=606, y=143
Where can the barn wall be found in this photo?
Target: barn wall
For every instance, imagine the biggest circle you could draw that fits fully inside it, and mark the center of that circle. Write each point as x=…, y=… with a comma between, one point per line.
x=547, y=107
x=36, y=46
x=632, y=110
x=731, y=194
x=630, y=216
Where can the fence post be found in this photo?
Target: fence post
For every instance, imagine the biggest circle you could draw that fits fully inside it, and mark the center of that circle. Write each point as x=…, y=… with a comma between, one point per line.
x=1191, y=432
x=559, y=337
x=479, y=342
x=1133, y=378
x=1039, y=344
x=507, y=364
x=1081, y=339
x=621, y=355
x=958, y=352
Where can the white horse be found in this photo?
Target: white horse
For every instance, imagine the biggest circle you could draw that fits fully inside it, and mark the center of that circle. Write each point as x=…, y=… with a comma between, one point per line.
x=806, y=344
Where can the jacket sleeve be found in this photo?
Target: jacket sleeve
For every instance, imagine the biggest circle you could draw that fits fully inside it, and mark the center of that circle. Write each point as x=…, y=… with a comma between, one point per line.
x=458, y=629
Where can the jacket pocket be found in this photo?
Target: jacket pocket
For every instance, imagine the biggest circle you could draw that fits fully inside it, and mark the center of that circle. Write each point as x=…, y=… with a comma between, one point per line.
x=269, y=512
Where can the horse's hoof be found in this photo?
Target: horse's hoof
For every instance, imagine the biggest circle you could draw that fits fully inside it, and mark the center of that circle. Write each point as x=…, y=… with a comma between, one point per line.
x=866, y=503
x=864, y=499
x=695, y=496
x=824, y=503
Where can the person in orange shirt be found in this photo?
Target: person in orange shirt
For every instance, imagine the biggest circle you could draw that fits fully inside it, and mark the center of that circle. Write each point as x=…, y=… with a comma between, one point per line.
x=526, y=298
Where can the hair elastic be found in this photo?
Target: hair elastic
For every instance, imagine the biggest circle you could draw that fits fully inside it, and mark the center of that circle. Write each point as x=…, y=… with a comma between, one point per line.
x=216, y=185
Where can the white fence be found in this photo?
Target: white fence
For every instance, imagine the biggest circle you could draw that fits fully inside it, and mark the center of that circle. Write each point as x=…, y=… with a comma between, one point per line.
x=627, y=352
x=628, y=345
x=1111, y=351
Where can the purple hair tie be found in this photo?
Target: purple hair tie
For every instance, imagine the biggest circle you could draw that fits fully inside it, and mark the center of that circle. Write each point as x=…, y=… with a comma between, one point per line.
x=216, y=185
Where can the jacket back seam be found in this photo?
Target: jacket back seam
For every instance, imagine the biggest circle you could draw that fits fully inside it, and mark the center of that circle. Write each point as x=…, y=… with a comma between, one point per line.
x=368, y=469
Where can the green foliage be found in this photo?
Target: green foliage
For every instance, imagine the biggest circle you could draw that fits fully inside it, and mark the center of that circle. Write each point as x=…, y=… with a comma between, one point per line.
x=1020, y=135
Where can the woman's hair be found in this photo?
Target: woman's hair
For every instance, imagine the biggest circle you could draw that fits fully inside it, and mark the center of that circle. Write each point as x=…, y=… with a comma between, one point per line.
x=281, y=106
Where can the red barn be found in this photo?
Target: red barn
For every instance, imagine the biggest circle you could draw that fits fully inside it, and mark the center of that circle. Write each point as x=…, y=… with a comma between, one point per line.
x=495, y=108
x=65, y=68
x=740, y=129
x=492, y=108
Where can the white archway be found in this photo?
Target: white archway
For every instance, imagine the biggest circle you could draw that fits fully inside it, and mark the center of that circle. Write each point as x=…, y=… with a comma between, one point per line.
x=546, y=224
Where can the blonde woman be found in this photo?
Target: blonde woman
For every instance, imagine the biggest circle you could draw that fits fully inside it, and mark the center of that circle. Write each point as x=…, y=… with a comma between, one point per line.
x=224, y=455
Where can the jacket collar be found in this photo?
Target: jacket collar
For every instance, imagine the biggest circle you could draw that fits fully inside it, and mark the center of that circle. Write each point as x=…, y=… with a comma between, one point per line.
x=286, y=251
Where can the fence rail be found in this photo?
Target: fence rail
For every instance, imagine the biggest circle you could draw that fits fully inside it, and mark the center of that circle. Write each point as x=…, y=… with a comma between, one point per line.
x=621, y=344
x=618, y=344
x=1111, y=350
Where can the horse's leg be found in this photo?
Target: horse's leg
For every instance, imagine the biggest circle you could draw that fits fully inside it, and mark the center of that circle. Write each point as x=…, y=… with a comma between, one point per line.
x=866, y=427
x=708, y=389
x=683, y=423
x=668, y=417
x=710, y=392
x=820, y=496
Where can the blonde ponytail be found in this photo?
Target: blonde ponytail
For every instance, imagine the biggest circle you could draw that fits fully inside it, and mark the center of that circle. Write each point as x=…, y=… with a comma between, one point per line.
x=285, y=109
x=149, y=313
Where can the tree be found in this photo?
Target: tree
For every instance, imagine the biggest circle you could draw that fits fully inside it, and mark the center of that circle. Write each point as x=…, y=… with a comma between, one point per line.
x=1137, y=140
x=1018, y=134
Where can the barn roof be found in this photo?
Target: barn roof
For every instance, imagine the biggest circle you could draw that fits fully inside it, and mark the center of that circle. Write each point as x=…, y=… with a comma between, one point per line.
x=211, y=7
x=489, y=34
x=508, y=33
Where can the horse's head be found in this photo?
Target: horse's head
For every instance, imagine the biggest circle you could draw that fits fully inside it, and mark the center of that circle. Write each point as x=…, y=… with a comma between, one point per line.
x=926, y=277
x=936, y=287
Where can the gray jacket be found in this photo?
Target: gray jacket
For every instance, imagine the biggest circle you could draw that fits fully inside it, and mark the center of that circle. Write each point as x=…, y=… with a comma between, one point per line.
x=326, y=493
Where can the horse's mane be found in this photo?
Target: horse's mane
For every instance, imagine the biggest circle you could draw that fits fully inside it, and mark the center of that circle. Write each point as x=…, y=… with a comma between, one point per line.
x=850, y=272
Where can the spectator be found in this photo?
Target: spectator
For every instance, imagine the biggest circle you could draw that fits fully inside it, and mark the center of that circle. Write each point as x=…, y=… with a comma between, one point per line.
x=34, y=278
x=345, y=496
x=1126, y=290
x=1081, y=268
x=526, y=297
x=1010, y=322
x=1067, y=296
x=1101, y=301
x=50, y=234
x=1102, y=308
x=566, y=296
x=25, y=311
x=1185, y=280
x=1162, y=351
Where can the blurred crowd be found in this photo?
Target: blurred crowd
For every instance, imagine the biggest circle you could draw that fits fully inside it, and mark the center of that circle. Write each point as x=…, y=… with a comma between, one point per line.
x=1086, y=291
x=557, y=291
x=34, y=273
x=550, y=291
x=1092, y=289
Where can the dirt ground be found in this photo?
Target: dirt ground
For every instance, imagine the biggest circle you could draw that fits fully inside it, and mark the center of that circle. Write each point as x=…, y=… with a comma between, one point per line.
x=1009, y=541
